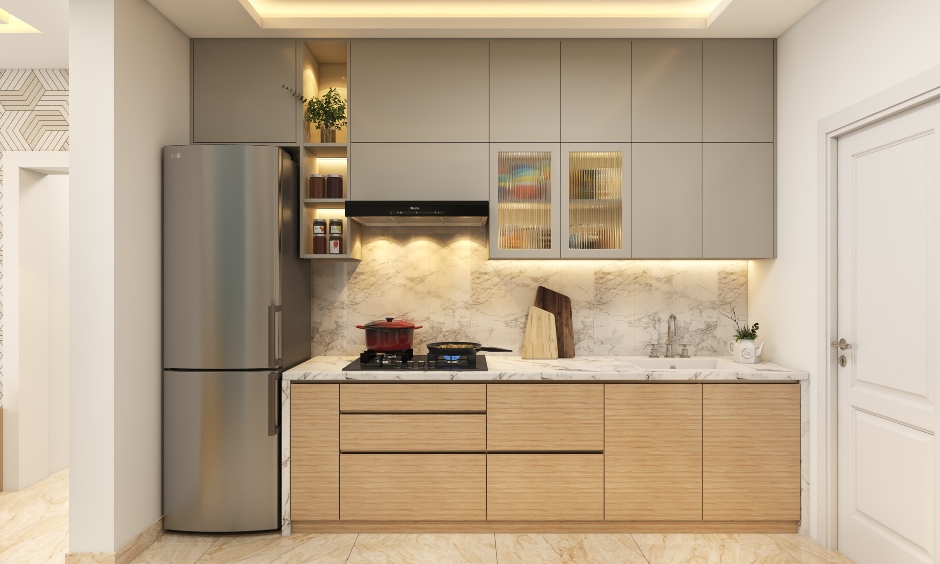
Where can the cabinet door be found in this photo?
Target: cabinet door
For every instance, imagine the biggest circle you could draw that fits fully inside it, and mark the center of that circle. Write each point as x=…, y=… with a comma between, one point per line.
x=751, y=451
x=420, y=91
x=314, y=450
x=595, y=91
x=413, y=487
x=738, y=90
x=524, y=200
x=738, y=200
x=595, y=200
x=667, y=91
x=667, y=200
x=525, y=87
x=419, y=171
x=653, y=452
x=237, y=91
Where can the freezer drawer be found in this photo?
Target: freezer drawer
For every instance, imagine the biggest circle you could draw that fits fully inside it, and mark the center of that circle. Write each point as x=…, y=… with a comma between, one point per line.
x=220, y=451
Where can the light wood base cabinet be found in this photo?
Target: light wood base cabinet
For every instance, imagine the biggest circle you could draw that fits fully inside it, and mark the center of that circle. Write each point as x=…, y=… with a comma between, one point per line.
x=751, y=442
x=653, y=454
x=413, y=487
x=663, y=457
x=545, y=487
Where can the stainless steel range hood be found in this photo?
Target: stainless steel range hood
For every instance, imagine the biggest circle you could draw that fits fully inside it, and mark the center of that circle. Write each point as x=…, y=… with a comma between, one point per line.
x=418, y=214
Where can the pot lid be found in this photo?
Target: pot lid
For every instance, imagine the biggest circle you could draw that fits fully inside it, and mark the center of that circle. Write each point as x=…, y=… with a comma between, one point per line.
x=390, y=323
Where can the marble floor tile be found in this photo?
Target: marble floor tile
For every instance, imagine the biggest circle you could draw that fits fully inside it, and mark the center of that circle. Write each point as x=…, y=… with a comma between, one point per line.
x=712, y=549
x=272, y=548
x=179, y=548
x=808, y=551
x=570, y=548
x=424, y=549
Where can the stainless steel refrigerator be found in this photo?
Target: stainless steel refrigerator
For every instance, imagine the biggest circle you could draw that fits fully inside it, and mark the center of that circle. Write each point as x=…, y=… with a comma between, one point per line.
x=236, y=312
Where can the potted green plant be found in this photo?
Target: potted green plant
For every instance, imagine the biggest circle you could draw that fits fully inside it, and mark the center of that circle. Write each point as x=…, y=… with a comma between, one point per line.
x=328, y=114
x=742, y=348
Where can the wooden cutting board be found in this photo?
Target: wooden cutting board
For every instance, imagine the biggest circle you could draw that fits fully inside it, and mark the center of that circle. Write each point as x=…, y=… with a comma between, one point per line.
x=540, y=340
x=560, y=306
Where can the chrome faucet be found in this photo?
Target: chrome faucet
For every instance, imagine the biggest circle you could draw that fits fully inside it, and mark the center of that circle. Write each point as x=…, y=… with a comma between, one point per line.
x=672, y=330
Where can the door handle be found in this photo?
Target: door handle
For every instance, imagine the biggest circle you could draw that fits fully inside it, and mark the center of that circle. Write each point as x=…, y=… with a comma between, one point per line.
x=274, y=336
x=274, y=404
x=841, y=345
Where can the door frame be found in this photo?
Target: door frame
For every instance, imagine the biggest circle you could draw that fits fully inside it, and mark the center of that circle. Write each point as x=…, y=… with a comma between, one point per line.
x=824, y=407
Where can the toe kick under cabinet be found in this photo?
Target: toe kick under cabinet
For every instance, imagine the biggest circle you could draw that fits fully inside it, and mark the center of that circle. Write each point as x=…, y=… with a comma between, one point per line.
x=469, y=457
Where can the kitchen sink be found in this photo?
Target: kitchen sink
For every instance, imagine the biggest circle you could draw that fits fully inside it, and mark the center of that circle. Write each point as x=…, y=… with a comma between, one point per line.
x=686, y=364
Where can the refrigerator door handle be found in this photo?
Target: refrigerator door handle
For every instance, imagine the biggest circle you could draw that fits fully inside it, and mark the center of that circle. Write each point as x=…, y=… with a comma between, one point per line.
x=275, y=356
x=274, y=404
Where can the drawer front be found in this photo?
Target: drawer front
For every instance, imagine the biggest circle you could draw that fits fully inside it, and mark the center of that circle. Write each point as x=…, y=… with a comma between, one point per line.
x=427, y=398
x=545, y=487
x=413, y=487
x=545, y=417
x=412, y=433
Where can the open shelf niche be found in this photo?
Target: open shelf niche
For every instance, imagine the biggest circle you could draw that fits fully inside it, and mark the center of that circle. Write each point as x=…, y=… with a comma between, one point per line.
x=326, y=65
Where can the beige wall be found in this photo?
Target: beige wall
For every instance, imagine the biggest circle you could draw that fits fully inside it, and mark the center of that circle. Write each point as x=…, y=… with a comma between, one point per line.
x=841, y=53
x=34, y=113
x=130, y=70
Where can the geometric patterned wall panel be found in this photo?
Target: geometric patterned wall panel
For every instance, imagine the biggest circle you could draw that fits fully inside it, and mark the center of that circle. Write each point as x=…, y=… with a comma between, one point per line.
x=34, y=116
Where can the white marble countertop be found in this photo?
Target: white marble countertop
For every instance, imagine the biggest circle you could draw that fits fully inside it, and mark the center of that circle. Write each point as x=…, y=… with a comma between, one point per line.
x=579, y=369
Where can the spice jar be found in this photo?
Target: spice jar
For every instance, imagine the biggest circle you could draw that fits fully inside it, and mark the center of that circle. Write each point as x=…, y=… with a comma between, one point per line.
x=336, y=244
x=335, y=227
x=319, y=237
x=334, y=185
x=316, y=186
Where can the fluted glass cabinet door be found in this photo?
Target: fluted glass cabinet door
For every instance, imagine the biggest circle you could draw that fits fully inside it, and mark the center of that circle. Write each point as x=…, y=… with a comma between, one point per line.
x=524, y=197
x=595, y=200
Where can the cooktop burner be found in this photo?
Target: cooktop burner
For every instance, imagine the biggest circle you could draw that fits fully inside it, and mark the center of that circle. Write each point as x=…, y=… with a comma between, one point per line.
x=407, y=360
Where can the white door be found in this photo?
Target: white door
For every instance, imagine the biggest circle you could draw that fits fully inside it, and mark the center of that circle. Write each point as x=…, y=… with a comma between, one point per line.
x=887, y=271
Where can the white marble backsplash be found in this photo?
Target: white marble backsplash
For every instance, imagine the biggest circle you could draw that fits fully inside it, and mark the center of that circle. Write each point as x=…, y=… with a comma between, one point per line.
x=440, y=278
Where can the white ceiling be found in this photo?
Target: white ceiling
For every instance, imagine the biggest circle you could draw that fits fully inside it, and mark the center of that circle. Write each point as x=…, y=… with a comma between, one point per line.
x=393, y=18
x=483, y=18
x=48, y=49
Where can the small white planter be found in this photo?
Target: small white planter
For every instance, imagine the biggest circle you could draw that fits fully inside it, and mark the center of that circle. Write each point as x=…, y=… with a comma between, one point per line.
x=744, y=351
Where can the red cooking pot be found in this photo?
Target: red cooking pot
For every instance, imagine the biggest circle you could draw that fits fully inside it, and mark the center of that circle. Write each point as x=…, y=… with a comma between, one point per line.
x=389, y=335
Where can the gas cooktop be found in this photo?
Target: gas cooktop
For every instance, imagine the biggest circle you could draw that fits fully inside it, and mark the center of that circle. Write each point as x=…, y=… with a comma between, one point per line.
x=407, y=361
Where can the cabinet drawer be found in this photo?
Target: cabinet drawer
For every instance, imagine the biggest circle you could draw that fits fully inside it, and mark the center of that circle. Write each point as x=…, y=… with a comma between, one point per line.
x=427, y=398
x=545, y=487
x=545, y=417
x=413, y=487
x=412, y=433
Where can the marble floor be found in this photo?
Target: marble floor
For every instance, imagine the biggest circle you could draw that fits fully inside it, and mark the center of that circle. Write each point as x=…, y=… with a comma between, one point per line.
x=34, y=529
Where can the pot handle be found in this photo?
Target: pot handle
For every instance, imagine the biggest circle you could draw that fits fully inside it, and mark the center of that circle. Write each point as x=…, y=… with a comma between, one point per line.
x=492, y=349
x=359, y=327
x=418, y=327
x=731, y=347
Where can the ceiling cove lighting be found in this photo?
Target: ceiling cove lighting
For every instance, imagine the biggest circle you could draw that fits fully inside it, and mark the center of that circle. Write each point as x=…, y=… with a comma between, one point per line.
x=12, y=24
x=640, y=14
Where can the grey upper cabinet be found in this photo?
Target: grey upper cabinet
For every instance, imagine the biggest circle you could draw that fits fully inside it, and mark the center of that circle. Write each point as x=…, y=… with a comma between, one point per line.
x=667, y=200
x=237, y=91
x=525, y=91
x=420, y=171
x=738, y=90
x=595, y=91
x=419, y=91
x=738, y=197
x=667, y=91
